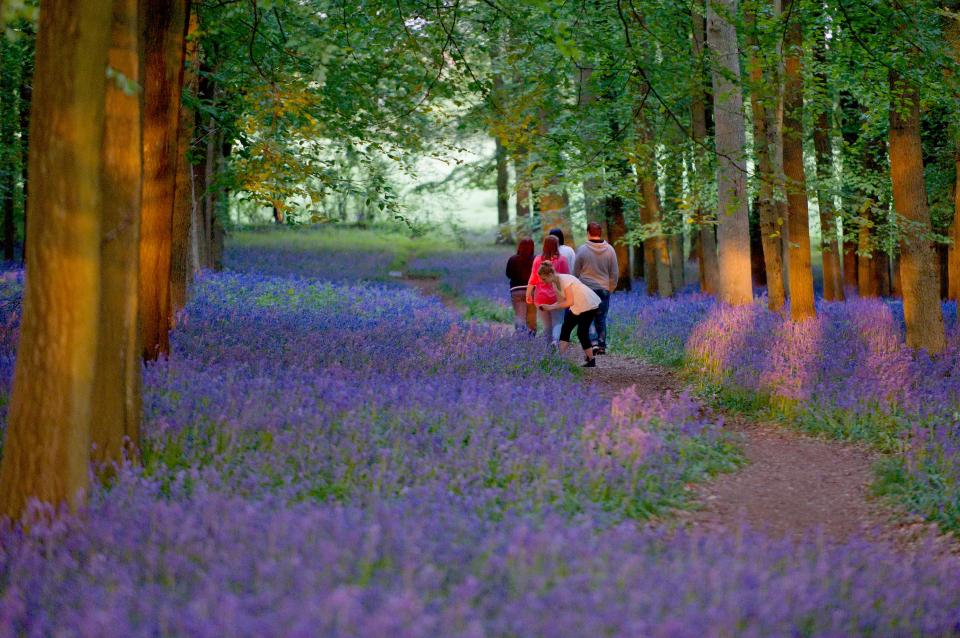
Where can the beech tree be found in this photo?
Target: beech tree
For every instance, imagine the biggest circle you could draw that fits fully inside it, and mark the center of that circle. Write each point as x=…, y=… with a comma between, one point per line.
x=163, y=43
x=801, y=269
x=733, y=228
x=46, y=447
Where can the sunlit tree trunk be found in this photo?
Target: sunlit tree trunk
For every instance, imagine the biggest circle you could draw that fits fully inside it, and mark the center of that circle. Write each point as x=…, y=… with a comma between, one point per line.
x=707, y=241
x=798, y=218
x=822, y=141
x=733, y=230
x=163, y=42
x=183, y=194
x=116, y=424
x=918, y=272
x=770, y=222
x=46, y=451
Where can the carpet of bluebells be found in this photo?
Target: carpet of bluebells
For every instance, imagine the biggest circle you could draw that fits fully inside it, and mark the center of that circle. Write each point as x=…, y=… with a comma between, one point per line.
x=847, y=373
x=326, y=457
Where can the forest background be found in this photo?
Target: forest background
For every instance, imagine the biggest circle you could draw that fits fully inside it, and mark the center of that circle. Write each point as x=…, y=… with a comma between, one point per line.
x=704, y=131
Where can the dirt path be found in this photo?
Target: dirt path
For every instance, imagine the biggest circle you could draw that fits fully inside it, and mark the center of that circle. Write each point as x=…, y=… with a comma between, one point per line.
x=791, y=485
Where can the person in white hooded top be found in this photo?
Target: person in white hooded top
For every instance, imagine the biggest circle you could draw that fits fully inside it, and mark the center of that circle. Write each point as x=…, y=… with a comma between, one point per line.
x=596, y=266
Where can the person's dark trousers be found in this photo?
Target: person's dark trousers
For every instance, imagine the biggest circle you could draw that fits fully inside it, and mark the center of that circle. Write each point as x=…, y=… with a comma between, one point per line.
x=581, y=322
x=600, y=321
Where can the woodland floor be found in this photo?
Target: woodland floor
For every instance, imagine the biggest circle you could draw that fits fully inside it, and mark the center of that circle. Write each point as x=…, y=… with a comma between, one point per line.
x=792, y=484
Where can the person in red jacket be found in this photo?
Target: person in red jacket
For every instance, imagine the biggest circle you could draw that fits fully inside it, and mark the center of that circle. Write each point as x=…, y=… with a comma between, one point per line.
x=541, y=294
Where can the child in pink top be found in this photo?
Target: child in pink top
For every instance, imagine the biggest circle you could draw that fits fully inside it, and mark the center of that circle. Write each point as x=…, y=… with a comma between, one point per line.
x=543, y=294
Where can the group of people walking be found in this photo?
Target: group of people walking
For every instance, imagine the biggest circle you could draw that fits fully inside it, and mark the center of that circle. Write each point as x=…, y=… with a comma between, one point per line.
x=564, y=289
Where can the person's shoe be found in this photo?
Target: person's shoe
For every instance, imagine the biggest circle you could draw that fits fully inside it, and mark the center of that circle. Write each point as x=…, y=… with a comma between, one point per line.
x=591, y=363
x=599, y=350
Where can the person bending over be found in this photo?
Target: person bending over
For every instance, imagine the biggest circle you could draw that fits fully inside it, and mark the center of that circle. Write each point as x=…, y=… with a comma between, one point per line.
x=580, y=305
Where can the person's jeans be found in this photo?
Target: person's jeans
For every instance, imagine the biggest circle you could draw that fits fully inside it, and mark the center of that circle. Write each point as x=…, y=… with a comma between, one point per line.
x=600, y=320
x=546, y=324
x=521, y=311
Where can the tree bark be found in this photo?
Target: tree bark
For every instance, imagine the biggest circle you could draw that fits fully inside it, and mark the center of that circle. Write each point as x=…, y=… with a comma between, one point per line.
x=919, y=277
x=46, y=451
x=116, y=429
x=770, y=222
x=733, y=231
x=953, y=257
x=616, y=229
x=8, y=147
x=26, y=97
x=707, y=251
x=520, y=169
x=503, y=194
x=822, y=141
x=183, y=194
x=164, y=27
x=798, y=217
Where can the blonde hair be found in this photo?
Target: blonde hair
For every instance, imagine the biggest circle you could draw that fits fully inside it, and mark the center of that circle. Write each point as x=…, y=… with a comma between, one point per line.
x=549, y=275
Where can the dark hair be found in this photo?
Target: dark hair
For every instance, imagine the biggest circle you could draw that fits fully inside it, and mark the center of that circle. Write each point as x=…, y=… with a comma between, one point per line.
x=525, y=248
x=556, y=232
x=551, y=247
x=594, y=228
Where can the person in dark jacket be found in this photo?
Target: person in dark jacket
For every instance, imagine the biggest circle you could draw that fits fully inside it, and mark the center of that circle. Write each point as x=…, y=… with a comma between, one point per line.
x=518, y=272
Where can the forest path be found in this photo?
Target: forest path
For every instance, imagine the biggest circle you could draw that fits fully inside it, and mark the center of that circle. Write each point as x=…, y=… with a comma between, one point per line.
x=791, y=485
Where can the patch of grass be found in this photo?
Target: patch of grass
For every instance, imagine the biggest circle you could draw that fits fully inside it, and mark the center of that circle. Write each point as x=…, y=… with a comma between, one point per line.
x=480, y=309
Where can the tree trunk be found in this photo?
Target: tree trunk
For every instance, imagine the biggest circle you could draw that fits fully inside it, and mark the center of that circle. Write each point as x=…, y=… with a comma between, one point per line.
x=116, y=429
x=46, y=452
x=164, y=28
x=733, y=231
x=637, y=260
x=676, y=262
x=822, y=141
x=503, y=194
x=953, y=257
x=520, y=169
x=183, y=195
x=866, y=264
x=616, y=229
x=770, y=222
x=655, y=250
x=921, y=299
x=709, y=265
x=798, y=217
x=26, y=97
x=8, y=147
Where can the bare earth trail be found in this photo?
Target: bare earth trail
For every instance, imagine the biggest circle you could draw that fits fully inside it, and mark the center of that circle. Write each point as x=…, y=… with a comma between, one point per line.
x=792, y=484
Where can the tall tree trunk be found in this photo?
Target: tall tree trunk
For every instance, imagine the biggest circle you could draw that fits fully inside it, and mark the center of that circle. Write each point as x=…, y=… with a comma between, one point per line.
x=866, y=262
x=655, y=249
x=733, y=231
x=26, y=97
x=919, y=277
x=8, y=146
x=616, y=229
x=183, y=195
x=592, y=200
x=822, y=141
x=798, y=217
x=520, y=169
x=850, y=133
x=163, y=42
x=770, y=222
x=46, y=452
x=953, y=257
x=709, y=265
x=116, y=397
x=503, y=194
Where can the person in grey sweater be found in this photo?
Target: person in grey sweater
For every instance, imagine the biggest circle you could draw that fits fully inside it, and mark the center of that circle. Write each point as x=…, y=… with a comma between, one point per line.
x=597, y=267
